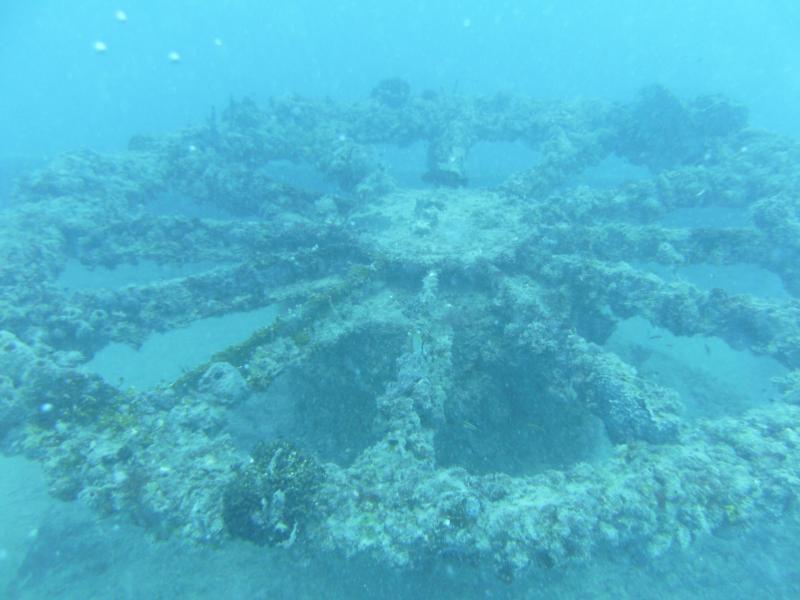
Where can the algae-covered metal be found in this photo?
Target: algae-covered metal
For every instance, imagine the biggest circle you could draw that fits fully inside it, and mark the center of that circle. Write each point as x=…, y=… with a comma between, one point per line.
x=441, y=361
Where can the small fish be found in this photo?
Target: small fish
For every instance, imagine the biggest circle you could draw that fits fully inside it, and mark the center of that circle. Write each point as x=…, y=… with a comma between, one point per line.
x=535, y=427
x=469, y=425
x=655, y=337
x=708, y=350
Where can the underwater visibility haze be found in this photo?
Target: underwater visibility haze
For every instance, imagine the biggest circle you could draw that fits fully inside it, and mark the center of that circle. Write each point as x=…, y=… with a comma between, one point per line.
x=399, y=299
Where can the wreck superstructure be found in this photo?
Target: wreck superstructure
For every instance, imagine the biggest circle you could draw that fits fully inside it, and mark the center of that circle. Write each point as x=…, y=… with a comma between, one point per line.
x=441, y=351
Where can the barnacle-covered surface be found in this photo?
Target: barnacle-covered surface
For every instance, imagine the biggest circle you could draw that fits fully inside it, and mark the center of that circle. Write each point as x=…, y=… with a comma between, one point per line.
x=443, y=357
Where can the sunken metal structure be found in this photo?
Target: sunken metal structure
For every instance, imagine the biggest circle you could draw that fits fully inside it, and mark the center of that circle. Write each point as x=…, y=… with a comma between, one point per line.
x=437, y=386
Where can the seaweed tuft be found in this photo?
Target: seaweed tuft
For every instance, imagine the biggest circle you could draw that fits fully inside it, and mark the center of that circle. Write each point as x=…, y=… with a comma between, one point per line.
x=273, y=497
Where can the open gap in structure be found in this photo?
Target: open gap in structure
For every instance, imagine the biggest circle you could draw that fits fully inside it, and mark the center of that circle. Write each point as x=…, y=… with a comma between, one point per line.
x=490, y=163
x=407, y=164
x=327, y=403
x=506, y=413
x=164, y=357
x=611, y=172
x=78, y=277
x=712, y=378
x=710, y=217
x=739, y=278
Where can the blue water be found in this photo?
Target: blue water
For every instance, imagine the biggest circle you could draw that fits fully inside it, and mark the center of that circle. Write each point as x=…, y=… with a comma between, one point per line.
x=82, y=75
x=60, y=95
